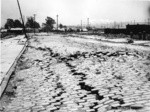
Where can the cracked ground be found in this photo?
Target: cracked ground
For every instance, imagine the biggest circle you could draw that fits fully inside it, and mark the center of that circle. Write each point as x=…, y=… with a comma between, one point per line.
x=60, y=73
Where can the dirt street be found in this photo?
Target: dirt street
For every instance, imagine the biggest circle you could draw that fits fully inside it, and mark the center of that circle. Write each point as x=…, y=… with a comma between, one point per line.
x=68, y=73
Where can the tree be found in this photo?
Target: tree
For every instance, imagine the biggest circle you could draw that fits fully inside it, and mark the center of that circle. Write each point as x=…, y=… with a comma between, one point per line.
x=49, y=25
x=9, y=24
x=60, y=26
x=31, y=23
x=17, y=24
x=89, y=28
x=37, y=25
x=64, y=26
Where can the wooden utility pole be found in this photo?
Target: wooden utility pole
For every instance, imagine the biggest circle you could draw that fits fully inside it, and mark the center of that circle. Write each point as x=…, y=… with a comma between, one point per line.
x=148, y=21
x=57, y=22
x=34, y=23
x=114, y=24
x=87, y=22
x=121, y=24
x=81, y=25
x=22, y=20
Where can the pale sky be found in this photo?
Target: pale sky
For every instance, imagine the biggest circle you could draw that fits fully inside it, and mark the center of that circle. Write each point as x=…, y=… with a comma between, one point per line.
x=71, y=12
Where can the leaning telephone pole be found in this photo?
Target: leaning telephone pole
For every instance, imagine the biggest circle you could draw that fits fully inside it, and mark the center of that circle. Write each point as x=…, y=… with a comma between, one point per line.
x=22, y=20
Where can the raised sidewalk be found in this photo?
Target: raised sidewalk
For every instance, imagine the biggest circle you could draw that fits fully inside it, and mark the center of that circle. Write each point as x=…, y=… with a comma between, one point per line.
x=11, y=50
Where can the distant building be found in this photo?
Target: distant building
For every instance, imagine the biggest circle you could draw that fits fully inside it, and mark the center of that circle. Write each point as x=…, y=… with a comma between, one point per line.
x=3, y=30
x=16, y=30
x=135, y=29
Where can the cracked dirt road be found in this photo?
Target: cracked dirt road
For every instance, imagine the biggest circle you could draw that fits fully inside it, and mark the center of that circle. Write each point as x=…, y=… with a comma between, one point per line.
x=57, y=73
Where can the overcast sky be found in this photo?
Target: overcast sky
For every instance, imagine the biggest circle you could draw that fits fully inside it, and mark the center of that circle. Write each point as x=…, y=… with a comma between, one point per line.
x=71, y=12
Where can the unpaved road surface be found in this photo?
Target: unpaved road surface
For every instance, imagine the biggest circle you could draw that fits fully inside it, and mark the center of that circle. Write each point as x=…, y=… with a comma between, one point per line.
x=60, y=73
